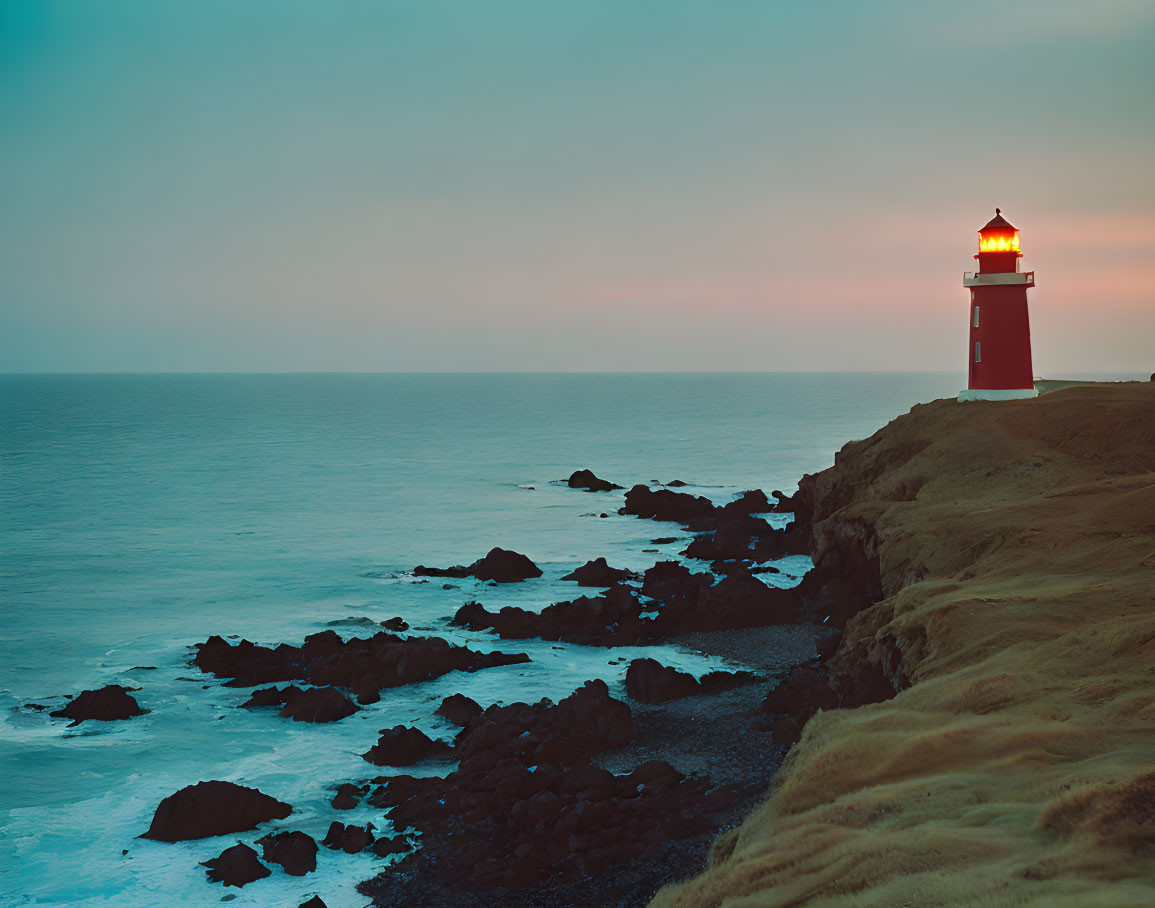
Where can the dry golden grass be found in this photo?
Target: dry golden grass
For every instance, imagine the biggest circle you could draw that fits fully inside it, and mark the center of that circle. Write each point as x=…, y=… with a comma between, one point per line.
x=1017, y=549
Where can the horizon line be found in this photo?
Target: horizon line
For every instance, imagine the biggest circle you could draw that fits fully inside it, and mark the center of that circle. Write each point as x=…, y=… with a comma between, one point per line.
x=1052, y=377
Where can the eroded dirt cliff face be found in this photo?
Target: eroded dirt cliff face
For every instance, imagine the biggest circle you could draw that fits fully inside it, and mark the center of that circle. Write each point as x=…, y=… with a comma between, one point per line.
x=993, y=563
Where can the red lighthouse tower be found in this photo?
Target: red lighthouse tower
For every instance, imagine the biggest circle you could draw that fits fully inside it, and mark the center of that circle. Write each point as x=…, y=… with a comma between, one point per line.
x=1000, y=336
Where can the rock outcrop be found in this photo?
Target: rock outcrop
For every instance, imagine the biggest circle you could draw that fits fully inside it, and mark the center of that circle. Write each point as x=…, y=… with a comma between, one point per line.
x=526, y=802
x=348, y=796
x=648, y=681
x=385, y=846
x=684, y=602
x=349, y=839
x=319, y=704
x=730, y=532
x=585, y=479
x=212, y=808
x=459, y=709
x=105, y=705
x=237, y=866
x=499, y=565
x=295, y=851
x=364, y=665
x=662, y=504
x=404, y=746
x=599, y=573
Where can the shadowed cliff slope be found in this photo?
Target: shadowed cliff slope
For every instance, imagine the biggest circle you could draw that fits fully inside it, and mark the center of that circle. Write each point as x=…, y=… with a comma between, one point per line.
x=1015, y=545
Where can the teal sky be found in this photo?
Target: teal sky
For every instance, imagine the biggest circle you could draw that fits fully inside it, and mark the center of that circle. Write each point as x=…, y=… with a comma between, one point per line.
x=605, y=184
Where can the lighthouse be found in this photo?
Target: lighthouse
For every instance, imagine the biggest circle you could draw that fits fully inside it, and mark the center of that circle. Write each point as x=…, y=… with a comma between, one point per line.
x=999, y=352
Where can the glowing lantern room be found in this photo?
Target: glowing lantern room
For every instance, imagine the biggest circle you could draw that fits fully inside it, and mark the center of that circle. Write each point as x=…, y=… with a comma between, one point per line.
x=999, y=235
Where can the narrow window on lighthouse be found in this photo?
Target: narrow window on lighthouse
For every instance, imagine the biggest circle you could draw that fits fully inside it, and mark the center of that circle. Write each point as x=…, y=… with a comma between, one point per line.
x=975, y=321
x=978, y=352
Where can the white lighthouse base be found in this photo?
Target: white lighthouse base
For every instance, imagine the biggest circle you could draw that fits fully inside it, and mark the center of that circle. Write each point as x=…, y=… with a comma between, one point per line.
x=997, y=393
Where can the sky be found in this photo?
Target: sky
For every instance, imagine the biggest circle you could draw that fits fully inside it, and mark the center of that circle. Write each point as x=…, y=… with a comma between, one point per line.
x=601, y=185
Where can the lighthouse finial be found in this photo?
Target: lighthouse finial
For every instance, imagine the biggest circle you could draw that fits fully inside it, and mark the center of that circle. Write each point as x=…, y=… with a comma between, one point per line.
x=998, y=211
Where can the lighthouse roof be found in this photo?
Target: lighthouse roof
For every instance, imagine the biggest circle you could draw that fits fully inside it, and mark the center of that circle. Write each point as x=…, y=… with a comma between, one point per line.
x=998, y=222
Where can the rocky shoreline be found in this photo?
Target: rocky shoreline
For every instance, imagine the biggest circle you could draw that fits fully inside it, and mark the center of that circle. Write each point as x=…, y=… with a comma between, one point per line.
x=646, y=800
x=716, y=736
x=595, y=799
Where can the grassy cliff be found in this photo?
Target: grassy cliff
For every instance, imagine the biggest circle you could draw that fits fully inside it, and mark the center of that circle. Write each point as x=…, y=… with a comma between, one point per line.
x=1013, y=545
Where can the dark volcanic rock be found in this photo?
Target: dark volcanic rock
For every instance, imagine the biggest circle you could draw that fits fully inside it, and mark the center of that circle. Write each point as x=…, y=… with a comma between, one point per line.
x=673, y=580
x=459, y=709
x=732, y=532
x=735, y=538
x=587, y=721
x=647, y=681
x=793, y=540
x=105, y=705
x=348, y=796
x=585, y=479
x=363, y=665
x=333, y=836
x=784, y=504
x=738, y=600
x=752, y=502
x=459, y=571
x=319, y=704
x=295, y=851
x=685, y=602
x=270, y=696
x=395, y=624
x=614, y=618
x=314, y=902
x=663, y=504
x=404, y=746
x=350, y=839
x=526, y=803
x=212, y=808
x=385, y=846
x=505, y=566
x=599, y=573
x=499, y=565
x=236, y=866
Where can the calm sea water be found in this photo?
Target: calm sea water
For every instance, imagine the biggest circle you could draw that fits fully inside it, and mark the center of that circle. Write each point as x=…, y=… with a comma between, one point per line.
x=140, y=514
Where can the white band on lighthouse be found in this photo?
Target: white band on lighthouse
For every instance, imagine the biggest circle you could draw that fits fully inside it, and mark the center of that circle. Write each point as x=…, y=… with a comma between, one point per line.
x=997, y=394
x=998, y=279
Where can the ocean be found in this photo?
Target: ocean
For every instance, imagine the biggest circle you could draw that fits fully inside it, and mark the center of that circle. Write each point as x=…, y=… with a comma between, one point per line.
x=140, y=514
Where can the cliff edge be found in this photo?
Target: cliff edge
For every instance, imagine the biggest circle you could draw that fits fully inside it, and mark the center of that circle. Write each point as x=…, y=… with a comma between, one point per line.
x=1003, y=556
